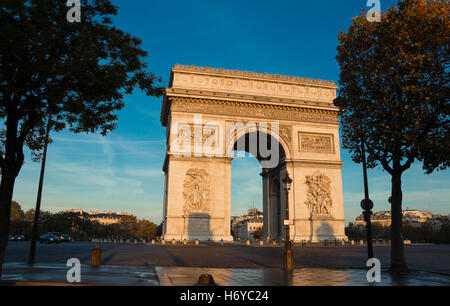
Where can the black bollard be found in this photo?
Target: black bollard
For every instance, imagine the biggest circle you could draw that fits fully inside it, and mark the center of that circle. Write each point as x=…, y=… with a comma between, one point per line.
x=96, y=256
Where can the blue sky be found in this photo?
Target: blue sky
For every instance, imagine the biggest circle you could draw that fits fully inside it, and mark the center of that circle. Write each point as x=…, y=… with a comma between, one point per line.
x=122, y=172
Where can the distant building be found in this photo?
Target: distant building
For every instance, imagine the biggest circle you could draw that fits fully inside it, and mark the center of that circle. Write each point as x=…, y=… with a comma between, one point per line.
x=101, y=217
x=243, y=227
x=438, y=220
x=380, y=217
x=410, y=217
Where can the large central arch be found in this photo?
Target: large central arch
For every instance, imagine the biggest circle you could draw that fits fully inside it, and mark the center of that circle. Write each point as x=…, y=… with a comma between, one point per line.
x=274, y=209
x=289, y=124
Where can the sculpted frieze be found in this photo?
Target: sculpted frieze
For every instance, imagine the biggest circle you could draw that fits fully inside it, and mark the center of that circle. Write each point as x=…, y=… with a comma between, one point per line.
x=238, y=109
x=287, y=87
x=316, y=143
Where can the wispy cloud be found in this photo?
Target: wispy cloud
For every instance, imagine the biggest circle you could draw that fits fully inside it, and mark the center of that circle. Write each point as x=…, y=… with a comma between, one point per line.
x=148, y=173
x=98, y=173
x=102, y=140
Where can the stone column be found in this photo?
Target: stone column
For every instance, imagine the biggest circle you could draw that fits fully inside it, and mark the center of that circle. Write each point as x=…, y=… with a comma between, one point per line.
x=198, y=202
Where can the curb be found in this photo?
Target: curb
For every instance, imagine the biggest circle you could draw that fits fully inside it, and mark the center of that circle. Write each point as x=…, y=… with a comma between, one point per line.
x=39, y=284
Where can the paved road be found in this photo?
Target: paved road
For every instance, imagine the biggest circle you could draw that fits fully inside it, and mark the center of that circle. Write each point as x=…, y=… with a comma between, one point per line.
x=431, y=258
x=110, y=275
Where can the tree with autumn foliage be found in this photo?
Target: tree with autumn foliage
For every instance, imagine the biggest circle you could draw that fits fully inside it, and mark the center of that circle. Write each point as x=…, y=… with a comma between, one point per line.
x=60, y=74
x=395, y=95
x=146, y=230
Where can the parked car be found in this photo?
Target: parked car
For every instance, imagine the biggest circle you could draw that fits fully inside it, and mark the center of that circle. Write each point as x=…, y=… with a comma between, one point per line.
x=18, y=238
x=49, y=238
x=10, y=238
x=66, y=238
x=57, y=234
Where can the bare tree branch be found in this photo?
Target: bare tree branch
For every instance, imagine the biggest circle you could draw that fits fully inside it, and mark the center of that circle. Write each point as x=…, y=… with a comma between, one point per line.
x=384, y=160
x=407, y=164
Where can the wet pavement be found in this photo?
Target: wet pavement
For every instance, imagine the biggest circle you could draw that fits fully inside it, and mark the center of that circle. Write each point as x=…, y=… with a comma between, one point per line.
x=125, y=275
x=106, y=275
x=230, y=265
x=430, y=258
x=299, y=277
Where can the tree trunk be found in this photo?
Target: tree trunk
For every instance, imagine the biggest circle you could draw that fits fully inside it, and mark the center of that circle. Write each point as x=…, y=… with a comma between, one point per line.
x=10, y=166
x=398, y=259
x=6, y=192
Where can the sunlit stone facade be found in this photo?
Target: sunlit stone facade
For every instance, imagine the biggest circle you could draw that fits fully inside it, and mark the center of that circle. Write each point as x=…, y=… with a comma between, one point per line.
x=290, y=124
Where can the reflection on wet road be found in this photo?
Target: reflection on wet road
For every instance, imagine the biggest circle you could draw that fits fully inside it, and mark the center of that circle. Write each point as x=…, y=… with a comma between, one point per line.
x=115, y=275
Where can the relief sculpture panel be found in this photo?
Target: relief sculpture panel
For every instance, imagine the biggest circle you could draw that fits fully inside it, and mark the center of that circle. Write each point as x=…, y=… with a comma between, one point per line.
x=316, y=143
x=196, y=191
x=318, y=198
x=190, y=134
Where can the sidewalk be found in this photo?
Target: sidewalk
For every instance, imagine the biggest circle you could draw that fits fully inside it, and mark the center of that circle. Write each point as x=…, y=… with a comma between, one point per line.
x=106, y=275
x=115, y=275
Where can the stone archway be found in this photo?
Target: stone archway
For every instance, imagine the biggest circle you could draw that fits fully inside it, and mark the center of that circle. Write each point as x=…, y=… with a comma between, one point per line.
x=288, y=123
x=273, y=207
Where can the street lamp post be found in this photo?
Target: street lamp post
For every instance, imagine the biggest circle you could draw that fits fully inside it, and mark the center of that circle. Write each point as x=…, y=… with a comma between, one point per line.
x=288, y=262
x=366, y=203
x=34, y=235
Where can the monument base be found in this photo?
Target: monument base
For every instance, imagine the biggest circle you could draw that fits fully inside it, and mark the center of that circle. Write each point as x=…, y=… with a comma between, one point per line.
x=319, y=229
x=199, y=237
x=316, y=239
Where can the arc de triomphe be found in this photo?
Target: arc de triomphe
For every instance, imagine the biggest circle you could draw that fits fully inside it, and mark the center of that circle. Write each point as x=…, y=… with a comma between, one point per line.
x=290, y=124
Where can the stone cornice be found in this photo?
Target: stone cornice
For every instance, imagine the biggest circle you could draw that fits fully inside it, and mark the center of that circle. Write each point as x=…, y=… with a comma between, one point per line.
x=214, y=159
x=315, y=162
x=253, y=75
x=252, y=84
x=252, y=110
x=237, y=97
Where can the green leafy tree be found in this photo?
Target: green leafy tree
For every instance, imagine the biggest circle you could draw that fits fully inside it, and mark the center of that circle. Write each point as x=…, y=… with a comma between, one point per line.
x=355, y=232
x=129, y=226
x=258, y=234
x=60, y=74
x=395, y=95
x=444, y=233
x=159, y=229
